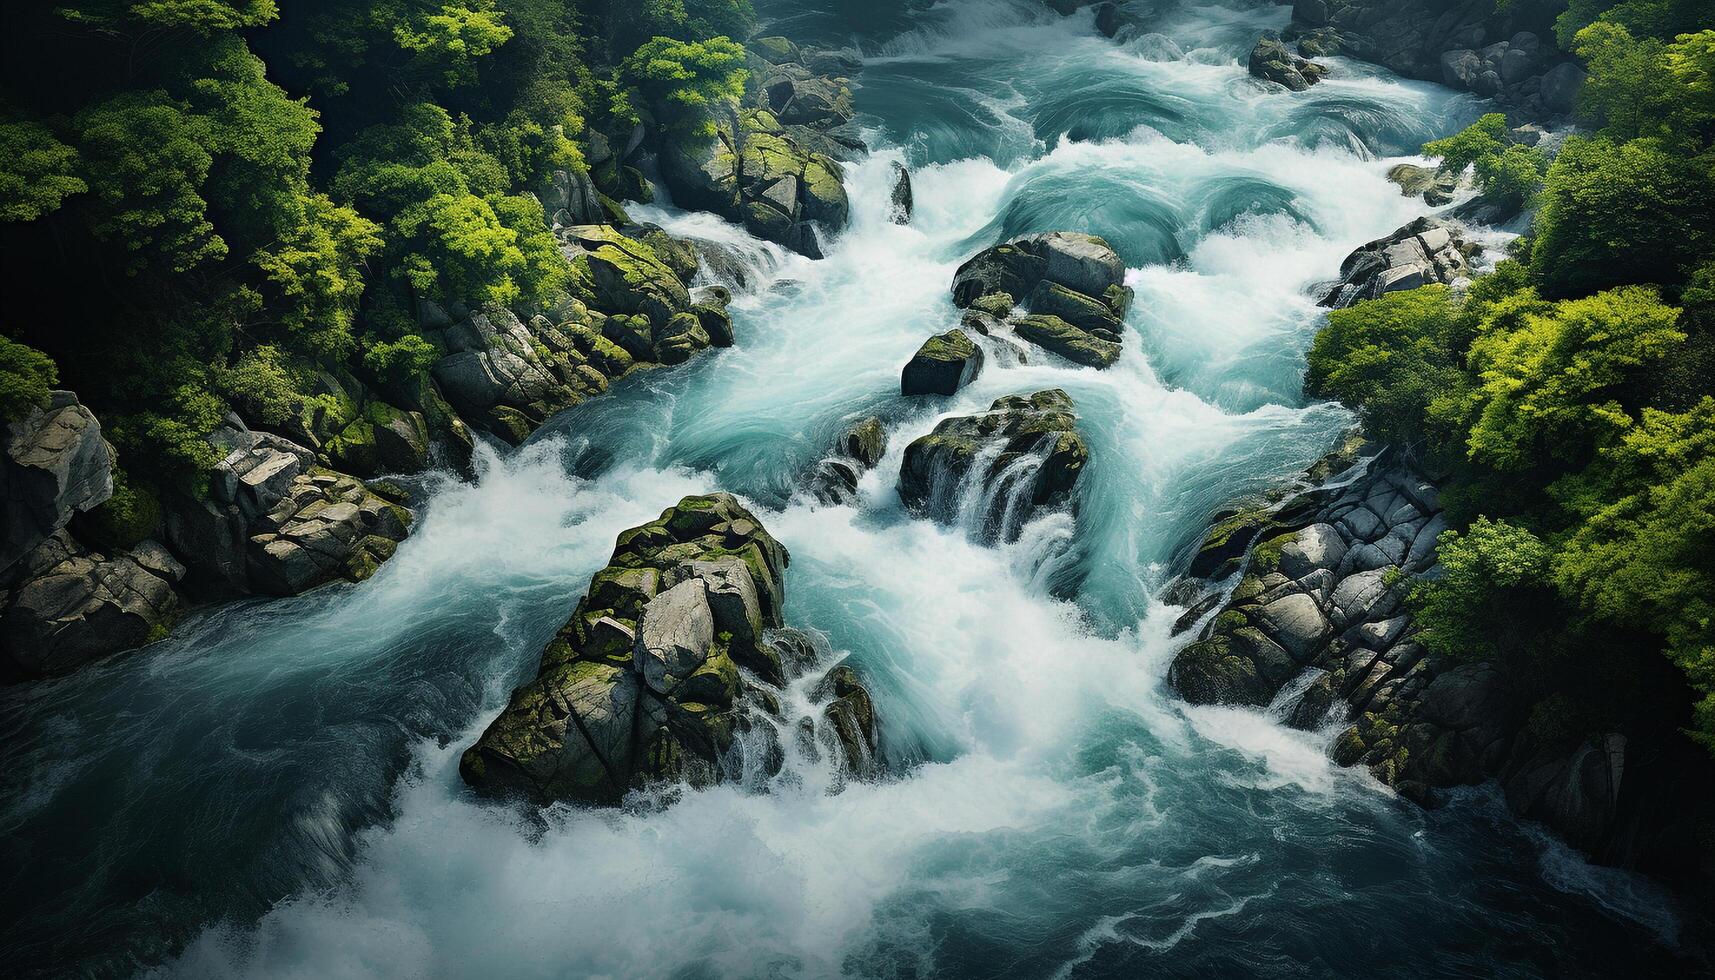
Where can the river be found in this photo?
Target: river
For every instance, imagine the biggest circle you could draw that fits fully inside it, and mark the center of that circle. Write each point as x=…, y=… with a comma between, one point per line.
x=273, y=791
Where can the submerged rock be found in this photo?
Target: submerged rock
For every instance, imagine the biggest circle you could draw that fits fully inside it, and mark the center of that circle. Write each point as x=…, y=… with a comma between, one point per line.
x=858, y=450
x=1272, y=62
x=1425, y=251
x=901, y=202
x=1022, y=455
x=944, y=364
x=670, y=658
x=1073, y=285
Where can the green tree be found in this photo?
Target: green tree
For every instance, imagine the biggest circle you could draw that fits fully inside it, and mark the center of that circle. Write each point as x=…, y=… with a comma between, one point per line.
x=1621, y=213
x=1491, y=595
x=685, y=82
x=1551, y=385
x=37, y=171
x=1647, y=558
x=26, y=376
x=1389, y=359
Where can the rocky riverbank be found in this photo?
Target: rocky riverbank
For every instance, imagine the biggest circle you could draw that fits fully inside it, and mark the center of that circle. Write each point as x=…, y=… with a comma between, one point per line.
x=1301, y=603
x=287, y=508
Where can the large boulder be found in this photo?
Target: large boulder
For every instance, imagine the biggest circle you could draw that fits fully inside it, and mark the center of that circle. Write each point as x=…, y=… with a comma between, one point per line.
x=1272, y=62
x=944, y=364
x=756, y=172
x=55, y=464
x=677, y=648
x=1428, y=250
x=1072, y=284
x=1023, y=454
x=1436, y=187
x=74, y=605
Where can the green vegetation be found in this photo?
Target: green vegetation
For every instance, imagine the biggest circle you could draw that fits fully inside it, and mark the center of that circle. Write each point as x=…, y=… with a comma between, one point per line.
x=209, y=205
x=1568, y=397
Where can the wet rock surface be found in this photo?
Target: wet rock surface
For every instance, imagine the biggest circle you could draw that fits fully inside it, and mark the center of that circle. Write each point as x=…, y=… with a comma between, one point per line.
x=944, y=364
x=1426, y=251
x=1022, y=455
x=857, y=451
x=1272, y=62
x=1499, y=51
x=1322, y=578
x=1071, y=285
x=670, y=670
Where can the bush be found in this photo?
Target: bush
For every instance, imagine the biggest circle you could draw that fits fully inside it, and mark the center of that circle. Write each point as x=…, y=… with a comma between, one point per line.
x=26, y=376
x=1492, y=595
x=1618, y=213
x=1389, y=359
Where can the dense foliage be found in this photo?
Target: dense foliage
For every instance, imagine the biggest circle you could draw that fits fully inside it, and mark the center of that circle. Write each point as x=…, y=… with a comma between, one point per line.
x=1568, y=396
x=213, y=204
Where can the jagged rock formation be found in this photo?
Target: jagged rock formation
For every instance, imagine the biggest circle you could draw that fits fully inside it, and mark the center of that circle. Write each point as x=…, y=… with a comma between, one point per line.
x=1023, y=454
x=1272, y=62
x=62, y=604
x=835, y=478
x=1073, y=289
x=674, y=652
x=944, y=364
x=1321, y=599
x=55, y=464
x=275, y=523
x=1426, y=251
x=73, y=605
x=1501, y=51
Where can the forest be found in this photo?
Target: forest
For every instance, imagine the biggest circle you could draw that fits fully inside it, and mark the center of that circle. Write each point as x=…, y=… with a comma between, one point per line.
x=1567, y=396
x=207, y=203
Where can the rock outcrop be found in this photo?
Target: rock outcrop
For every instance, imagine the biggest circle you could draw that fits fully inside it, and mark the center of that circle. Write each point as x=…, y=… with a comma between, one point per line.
x=753, y=173
x=1434, y=186
x=1023, y=454
x=1317, y=628
x=944, y=364
x=834, y=479
x=276, y=523
x=1072, y=287
x=62, y=604
x=1272, y=62
x=1426, y=251
x=902, y=202
x=677, y=650
x=1499, y=51
x=55, y=464
x=72, y=605
x=773, y=164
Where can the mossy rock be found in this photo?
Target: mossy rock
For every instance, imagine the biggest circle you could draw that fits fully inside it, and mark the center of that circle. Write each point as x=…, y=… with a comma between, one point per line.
x=1054, y=334
x=997, y=305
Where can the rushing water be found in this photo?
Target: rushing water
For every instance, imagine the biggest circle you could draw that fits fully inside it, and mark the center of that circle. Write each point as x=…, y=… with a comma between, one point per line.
x=273, y=791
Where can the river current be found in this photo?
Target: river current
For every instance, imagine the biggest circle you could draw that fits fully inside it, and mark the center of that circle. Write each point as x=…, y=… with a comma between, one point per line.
x=273, y=791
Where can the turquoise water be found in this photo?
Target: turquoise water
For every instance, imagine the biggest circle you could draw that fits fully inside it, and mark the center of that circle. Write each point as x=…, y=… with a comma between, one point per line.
x=273, y=791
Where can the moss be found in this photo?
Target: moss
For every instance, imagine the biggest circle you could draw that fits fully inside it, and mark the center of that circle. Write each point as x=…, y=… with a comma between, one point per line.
x=1230, y=620
x=997, y=305
x=954, y=345
x=1265, y=557
x=510, y=424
